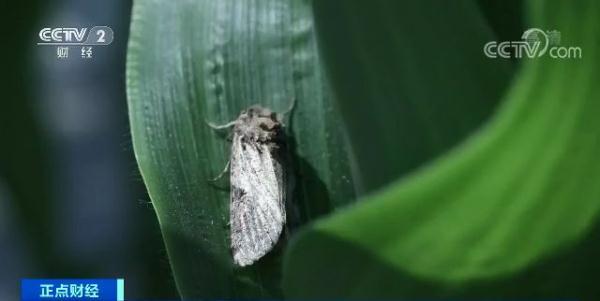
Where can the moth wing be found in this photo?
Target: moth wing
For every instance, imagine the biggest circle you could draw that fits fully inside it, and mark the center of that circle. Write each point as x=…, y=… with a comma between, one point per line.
x=257, y=210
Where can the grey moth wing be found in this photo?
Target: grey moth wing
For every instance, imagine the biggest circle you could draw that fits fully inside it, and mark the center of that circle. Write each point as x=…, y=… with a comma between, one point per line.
x=257, y=205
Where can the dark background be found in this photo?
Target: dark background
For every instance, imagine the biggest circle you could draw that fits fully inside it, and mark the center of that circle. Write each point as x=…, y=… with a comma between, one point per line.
x=72, y=202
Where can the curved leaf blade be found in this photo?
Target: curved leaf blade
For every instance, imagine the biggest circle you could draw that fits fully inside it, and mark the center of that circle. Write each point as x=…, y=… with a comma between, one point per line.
x=517, y=192
x=404, y=73
x=191, y=61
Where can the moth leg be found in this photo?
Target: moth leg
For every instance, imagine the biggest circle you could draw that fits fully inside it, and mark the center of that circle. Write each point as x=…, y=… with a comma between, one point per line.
x=225, y=170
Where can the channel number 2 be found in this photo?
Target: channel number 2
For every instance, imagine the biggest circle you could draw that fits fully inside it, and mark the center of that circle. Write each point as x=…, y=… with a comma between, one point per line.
x=101, y=33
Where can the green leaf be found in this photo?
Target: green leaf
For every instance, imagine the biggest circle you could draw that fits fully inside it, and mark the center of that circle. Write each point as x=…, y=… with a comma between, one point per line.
x=515, y=194
x=410, y=81
x=191, y=61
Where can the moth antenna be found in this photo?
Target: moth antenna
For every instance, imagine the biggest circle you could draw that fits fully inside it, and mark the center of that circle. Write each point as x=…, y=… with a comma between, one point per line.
x=289, y=109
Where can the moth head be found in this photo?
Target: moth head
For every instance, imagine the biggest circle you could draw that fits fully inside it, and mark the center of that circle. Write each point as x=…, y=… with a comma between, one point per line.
x=259, y=124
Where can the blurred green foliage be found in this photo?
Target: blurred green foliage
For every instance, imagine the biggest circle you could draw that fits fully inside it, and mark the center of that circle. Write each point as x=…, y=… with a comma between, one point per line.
x=30, y=175
x=23, y=164
x=518, y=191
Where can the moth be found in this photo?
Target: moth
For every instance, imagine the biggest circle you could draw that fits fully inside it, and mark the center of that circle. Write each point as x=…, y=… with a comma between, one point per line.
x=257, y=213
